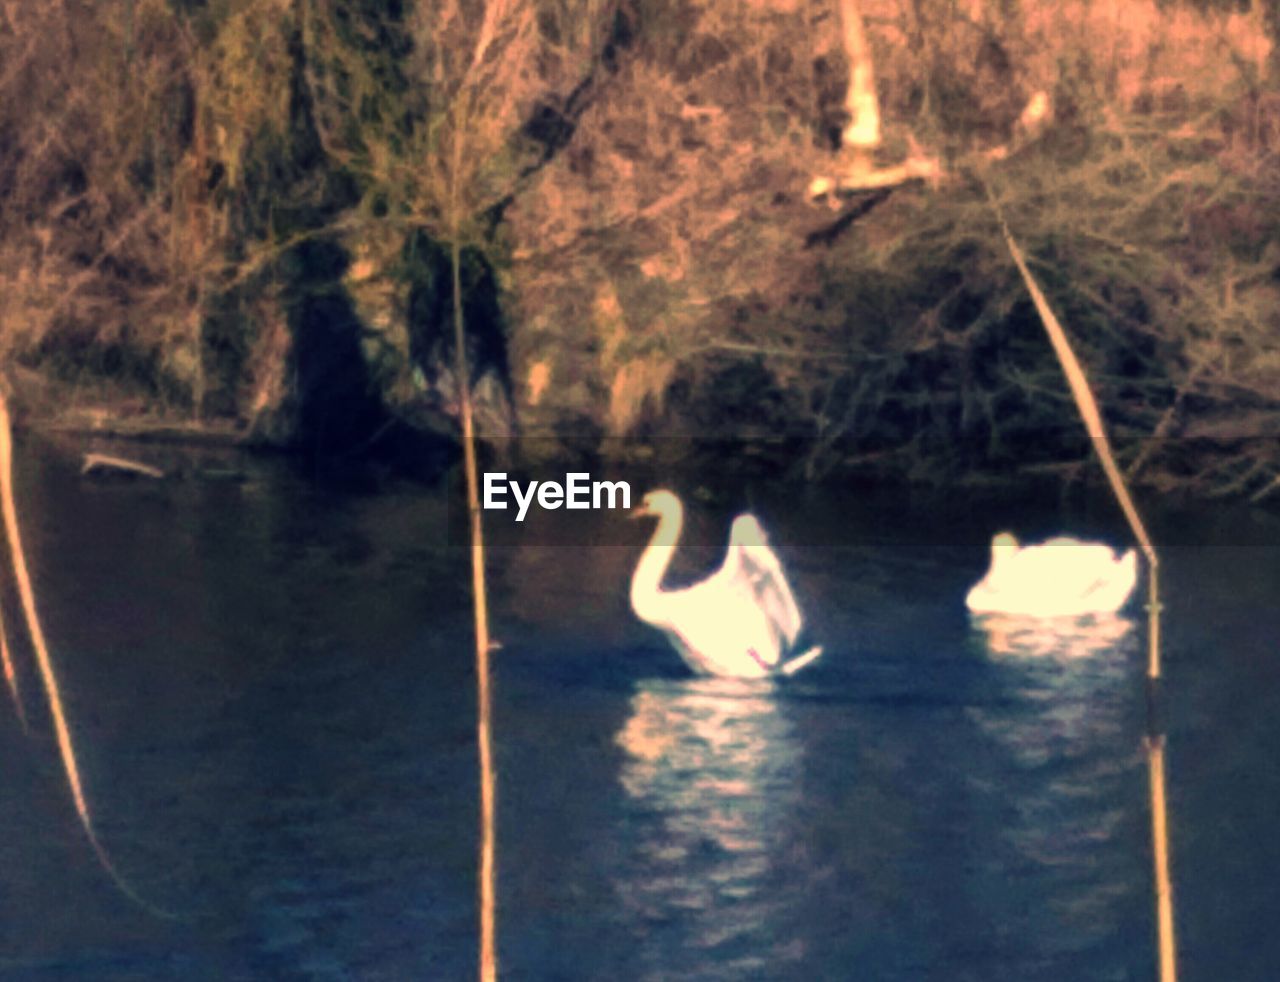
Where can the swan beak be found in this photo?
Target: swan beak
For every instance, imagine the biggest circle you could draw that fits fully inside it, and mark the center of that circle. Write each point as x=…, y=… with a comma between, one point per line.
x=640, y=511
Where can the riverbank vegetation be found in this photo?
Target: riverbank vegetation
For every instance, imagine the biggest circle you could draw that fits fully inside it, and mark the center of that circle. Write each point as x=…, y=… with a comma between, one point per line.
x=239, y=214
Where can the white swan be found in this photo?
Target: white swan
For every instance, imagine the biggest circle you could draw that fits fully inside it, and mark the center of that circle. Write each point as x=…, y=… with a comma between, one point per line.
x=741, y=621
x=1061, y=577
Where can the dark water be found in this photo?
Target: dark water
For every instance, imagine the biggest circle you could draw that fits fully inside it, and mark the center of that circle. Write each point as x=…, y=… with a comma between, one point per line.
x=270, y=687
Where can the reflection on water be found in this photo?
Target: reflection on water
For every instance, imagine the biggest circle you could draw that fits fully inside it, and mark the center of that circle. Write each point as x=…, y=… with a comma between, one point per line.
x=272, y=686
x=1067, y=682
x=1016, y=636
x=711, y=774
x=1068, y=688
x=1063, y=732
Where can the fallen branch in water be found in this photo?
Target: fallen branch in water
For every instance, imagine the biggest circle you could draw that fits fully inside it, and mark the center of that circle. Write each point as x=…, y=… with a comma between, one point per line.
x=105, y=462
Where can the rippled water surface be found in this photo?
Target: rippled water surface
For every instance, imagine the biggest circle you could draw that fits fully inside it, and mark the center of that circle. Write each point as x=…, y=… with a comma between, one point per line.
x=270, y=686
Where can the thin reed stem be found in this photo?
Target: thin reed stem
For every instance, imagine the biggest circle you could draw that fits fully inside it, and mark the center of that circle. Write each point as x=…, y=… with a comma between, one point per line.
x=27, y=596
x=1160, y=838
x=1092, y=420
x=63, y=732
x=10, y=677
x=484, y=735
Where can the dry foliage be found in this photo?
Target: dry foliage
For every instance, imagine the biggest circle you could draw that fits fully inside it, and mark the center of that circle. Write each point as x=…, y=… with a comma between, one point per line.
x=1146, y=211
x=655, y=153
x=121, y=126
x=1146, y=206
x=677, y=199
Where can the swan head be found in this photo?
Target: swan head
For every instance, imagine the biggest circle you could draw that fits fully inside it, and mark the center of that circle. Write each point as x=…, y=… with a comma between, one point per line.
x=1003, y=547
x=659, y=504
x=746, y=531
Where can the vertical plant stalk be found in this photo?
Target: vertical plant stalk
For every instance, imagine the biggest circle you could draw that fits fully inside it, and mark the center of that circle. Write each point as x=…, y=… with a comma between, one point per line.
x=27, y=595
x=63, y=732
x=479, y=117
x=198, y=229
x=1092, y=419
x=484, y=725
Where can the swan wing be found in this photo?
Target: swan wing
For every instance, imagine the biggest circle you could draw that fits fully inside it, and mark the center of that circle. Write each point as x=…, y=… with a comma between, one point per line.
x=1073, y=567
x=757, y=573
x=1113, y=584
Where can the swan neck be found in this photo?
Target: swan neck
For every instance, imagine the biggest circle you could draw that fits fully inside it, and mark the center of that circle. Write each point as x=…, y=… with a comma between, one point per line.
x=646, y=582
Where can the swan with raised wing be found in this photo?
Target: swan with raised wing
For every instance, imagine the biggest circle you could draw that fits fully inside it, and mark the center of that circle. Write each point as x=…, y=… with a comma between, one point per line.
x=1062, y=577
x=741, y=621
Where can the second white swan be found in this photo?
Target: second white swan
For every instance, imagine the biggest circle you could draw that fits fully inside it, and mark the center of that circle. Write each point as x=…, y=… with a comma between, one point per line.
x=742, y=621
x=1062, y=577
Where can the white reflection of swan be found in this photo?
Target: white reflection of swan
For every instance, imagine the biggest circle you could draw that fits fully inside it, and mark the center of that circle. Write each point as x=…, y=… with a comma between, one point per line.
x=1064, y=732
x=1057, y=578
x=740, y=622
x=1071, y=669
x=711, y=776
x=1016, y=635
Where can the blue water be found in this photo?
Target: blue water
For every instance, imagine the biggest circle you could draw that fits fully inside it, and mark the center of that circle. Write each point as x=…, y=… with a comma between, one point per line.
x=270, y=687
